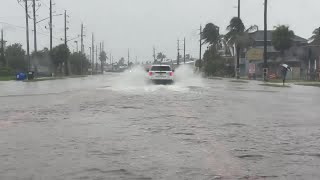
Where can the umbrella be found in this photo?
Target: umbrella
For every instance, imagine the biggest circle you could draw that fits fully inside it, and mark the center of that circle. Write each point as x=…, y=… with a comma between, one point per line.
x=286, y=66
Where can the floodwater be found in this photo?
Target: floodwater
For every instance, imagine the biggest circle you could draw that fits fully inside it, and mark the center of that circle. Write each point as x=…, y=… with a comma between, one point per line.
x=116, y=126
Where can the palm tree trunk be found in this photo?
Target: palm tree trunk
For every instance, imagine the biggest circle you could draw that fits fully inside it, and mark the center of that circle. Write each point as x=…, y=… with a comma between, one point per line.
x=102, y=63
x=238, y=62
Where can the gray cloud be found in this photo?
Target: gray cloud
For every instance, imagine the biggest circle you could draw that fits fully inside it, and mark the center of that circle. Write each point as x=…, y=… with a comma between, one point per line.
x=140, y=24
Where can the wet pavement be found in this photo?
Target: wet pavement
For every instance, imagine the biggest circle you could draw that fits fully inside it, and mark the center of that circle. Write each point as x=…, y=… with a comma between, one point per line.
x=117, y=127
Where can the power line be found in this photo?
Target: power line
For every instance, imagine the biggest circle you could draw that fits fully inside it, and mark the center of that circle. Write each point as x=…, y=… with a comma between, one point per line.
x=1, y=22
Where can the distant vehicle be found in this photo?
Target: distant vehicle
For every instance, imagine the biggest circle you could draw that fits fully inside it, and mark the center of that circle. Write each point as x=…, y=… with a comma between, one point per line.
x=161, y=74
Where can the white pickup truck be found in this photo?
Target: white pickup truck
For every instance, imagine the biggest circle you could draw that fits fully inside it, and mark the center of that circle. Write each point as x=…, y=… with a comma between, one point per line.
x=161, y=74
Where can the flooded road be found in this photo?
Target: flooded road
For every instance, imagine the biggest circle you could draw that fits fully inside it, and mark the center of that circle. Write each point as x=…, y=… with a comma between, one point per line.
x=117, y=127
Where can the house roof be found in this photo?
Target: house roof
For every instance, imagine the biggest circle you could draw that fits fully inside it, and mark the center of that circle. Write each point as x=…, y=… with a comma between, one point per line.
x=259, y=36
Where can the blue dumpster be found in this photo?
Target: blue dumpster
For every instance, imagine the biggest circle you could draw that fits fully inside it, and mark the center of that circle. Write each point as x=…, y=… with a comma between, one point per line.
x=21, y=76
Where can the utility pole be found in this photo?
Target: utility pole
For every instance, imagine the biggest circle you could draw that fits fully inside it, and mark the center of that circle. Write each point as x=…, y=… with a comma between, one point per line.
x=65, y=27
x=90, y=58
x=239, y=8
x=112, y=62
x=50, y=24
x=200, y=56
x=27, y=34
x=97, y=58
x=128, y=57
x=34, y=25
x=2, y=50
x=82, y=46
x=178, y=58
x=154, y=54
x=92, y=51
x=184, y=50
x=265, y=55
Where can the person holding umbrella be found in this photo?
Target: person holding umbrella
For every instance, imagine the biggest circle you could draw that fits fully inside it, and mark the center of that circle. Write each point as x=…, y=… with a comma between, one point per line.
x=284, y=70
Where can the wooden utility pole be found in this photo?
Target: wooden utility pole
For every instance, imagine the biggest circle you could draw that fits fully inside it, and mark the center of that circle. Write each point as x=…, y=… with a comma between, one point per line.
x=50, y=24
x=2, y=50
x=92, y=49
x=265, y=53
x=90, y=59
x=34, y=25
x=184, y=50
x=128, y=57
x=27, y=34
x=239, y=8
x=82, y=46
x=65, y=27
x=97, y=58
x=200, y=55
x=154, y=54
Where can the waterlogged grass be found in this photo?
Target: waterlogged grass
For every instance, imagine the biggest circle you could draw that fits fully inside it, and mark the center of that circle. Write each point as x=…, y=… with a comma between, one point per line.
x=314, y=84
x=239, y=81
x=275, y=85
x=54, y=78
x=216, y=78
x=7, y=78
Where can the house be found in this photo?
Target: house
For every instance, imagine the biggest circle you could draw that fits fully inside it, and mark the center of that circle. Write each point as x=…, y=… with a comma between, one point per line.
x=252, y=58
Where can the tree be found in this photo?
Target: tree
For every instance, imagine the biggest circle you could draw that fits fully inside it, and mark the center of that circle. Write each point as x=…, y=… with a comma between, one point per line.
x=60, y=55
x=79, y=63
x=121, y=62
x=282, y=38
x=161, y=56
x=16, y=57
x=103, y=58
x=238, y=35
x=42, y=57
x=214, y=64
x=315, y=38
x=211, y=34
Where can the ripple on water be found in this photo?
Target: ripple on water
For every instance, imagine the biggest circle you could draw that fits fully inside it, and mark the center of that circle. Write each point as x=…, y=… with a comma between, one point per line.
x=234, y=124
x=251, y=157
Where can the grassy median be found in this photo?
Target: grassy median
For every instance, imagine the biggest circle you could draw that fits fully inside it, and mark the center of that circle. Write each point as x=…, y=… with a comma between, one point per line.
x=7, y=78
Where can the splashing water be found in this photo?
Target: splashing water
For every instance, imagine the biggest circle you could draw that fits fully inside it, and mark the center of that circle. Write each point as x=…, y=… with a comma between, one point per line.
x=185, y=77
x=136, y=79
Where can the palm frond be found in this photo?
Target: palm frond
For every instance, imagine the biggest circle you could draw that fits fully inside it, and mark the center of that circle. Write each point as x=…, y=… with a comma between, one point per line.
x=252, y=28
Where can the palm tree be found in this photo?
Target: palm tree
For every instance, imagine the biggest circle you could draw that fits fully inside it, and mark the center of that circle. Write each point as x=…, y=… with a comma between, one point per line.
x=103, y=58
x=315, y=38
x=282, y=38
x=161, y=56
x=211, y=34
x=238, y=36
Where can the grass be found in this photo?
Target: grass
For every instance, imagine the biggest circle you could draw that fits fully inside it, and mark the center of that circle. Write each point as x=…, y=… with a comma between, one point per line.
x=239, y=81
x=55, y=78
x=275, y=85
x=216, y=78
x=314, y=84
x=7, y=78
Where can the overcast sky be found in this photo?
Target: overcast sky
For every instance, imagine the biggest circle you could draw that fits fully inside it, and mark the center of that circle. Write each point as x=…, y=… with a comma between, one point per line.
x=142, y=24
